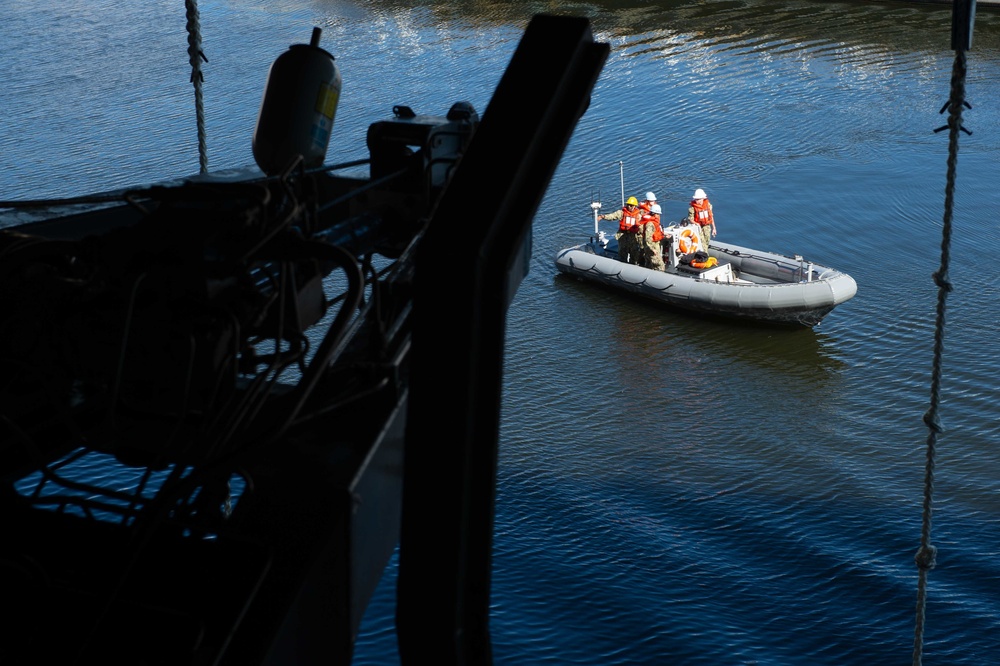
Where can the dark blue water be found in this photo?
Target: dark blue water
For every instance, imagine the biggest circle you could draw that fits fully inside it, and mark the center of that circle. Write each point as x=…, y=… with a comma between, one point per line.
x=671, y=490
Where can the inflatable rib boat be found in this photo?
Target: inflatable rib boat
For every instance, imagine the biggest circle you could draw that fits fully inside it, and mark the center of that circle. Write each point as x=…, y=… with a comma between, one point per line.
x=733, y=281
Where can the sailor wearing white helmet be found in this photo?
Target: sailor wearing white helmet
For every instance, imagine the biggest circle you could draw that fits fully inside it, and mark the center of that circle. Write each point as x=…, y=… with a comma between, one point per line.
x=651, y=234
x=700, y=213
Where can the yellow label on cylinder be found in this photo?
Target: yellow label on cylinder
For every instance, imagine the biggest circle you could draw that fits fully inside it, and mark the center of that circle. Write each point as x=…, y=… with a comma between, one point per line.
x=326, y=101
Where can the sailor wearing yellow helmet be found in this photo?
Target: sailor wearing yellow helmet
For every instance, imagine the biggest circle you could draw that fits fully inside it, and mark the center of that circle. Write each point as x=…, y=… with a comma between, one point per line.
x=628, y=225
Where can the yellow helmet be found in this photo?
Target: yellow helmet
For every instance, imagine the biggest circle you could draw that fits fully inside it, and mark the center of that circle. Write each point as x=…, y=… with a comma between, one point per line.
x=632, y=201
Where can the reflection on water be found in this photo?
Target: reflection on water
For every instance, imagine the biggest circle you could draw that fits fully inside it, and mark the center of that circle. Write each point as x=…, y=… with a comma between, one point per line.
x=672, y=490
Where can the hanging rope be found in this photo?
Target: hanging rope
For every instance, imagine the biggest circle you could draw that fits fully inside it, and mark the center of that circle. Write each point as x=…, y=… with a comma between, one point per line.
x=926, y=556
x=196, y=56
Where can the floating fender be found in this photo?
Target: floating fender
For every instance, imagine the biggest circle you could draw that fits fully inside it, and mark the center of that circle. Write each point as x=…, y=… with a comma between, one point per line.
x=298, y=108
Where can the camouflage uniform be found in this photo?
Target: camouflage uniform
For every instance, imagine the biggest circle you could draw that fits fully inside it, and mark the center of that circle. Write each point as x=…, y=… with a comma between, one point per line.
x=652, y=251
x=702, y=215
x=628, y=247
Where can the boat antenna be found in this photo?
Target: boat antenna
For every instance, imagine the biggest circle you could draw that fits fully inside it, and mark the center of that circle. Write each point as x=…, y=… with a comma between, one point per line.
x=621, y=176
x=963, y=16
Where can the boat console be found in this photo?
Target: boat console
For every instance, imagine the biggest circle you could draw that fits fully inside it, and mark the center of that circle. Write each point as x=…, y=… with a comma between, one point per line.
x=682, y=241
x=723, y=272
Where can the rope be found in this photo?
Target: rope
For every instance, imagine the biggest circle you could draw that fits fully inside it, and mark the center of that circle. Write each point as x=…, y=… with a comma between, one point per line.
x=927, y=553
x=195, y=56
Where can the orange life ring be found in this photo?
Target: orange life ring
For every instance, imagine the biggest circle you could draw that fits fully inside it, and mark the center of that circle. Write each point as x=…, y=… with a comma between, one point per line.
x=689, y=241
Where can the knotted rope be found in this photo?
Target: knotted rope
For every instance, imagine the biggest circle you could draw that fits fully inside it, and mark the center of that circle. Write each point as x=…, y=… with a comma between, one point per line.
x=927, y=553
x=195, y=56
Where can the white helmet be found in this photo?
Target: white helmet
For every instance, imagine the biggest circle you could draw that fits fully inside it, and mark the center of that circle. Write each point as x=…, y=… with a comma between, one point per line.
x=650, y=196
x=655, y=209
x=700, y=194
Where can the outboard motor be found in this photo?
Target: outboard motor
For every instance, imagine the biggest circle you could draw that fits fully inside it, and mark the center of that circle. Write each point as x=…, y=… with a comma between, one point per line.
x=298, y=108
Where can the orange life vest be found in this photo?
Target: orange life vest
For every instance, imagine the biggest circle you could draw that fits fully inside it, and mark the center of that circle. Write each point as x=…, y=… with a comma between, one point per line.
x=708, y=263
x=702, y=212
x=654, y=219
x=630, y=220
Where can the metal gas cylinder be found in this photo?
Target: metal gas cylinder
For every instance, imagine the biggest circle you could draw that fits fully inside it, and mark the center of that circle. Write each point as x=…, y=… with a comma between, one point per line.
x=298, y=108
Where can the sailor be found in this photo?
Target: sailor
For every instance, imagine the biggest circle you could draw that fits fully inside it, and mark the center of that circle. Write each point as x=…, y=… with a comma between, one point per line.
x=700, y=213
x=651, y=234
x=648, y=201
x=628, y=226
